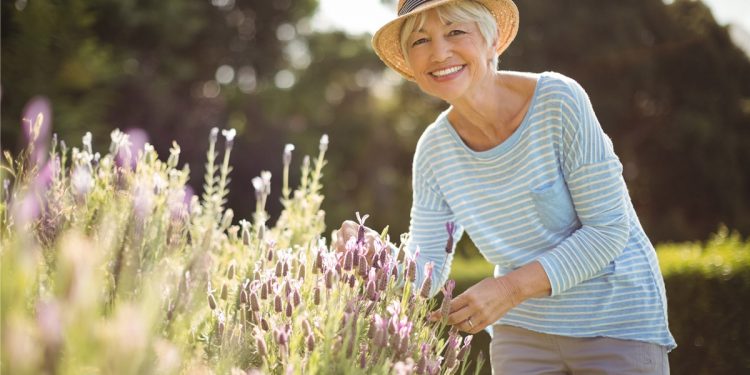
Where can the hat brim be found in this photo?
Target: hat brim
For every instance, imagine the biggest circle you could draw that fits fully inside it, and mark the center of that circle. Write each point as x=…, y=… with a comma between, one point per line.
x=387, y=40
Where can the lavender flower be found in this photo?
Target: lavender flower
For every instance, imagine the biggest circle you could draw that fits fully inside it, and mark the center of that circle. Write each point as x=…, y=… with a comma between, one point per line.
x=254, y=303
x=277, y=304
x=445, y=307
x=424, y=291
x=450, y=227
x=261, y=345
x=230, y=271
x=310, y=343
x=224, y=292
x=316, y=295
x=363, y=356
x=371, y=291
x=450, y=351
x=464, y=349
x=348, y=260
x=212, y=302
x=363, y=266
x=361, y=230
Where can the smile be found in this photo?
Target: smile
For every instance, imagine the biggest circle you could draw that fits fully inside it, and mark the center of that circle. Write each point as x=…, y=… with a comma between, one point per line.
x=447, y=71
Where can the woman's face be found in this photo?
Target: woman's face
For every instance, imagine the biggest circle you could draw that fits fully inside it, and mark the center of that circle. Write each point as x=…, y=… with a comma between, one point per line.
x=450, y=60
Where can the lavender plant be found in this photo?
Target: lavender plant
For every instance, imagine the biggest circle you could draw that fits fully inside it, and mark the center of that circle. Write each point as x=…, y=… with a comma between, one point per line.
x=111, y=265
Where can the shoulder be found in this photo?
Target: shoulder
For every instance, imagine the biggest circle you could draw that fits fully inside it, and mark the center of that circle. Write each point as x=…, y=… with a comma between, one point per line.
x=565, y=87
x=432, y=140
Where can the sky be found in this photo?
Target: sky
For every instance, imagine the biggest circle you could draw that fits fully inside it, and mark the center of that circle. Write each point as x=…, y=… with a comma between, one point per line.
x=360, y=16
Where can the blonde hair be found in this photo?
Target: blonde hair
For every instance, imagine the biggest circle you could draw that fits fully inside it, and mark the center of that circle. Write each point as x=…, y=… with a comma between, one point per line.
x=456, y=11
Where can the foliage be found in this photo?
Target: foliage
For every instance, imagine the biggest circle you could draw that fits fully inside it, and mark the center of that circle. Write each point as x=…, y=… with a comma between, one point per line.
x=708, y=287
x=108, y=265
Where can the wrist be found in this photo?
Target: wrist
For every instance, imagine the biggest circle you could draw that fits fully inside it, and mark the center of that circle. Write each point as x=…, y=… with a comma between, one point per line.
x=510, y=289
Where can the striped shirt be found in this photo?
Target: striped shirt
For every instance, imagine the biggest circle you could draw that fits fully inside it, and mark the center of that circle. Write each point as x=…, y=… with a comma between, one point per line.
x=552, y=192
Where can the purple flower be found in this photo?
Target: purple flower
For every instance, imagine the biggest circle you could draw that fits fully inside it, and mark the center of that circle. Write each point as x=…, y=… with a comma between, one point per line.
x=424, y=291
x=450, y=227
x=361, y=231
x=37, y=124
x=445, y=308
x=465, y=349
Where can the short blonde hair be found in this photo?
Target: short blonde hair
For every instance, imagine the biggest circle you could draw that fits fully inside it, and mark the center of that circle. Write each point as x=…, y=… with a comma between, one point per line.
x=456, y=11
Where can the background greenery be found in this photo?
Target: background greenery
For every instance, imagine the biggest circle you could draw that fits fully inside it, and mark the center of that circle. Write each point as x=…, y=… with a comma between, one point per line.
x=708, y=288
x=667, y=84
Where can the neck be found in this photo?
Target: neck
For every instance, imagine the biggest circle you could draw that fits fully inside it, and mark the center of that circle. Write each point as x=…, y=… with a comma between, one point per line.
x=478, y=115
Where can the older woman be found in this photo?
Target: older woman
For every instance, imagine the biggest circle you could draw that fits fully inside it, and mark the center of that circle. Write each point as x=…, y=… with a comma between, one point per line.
x=520, y=162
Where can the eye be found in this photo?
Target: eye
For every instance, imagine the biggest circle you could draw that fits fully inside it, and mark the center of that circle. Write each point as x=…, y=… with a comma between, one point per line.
x=456, y=32
x=419, y=41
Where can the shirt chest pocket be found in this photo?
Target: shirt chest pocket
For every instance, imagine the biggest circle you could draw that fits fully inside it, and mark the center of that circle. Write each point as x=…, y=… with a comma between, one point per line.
x=554, y=206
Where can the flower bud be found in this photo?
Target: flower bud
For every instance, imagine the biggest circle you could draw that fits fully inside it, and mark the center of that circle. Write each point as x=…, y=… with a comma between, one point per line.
x=277, y=304
x=316, y=296
x=224, y=292
x=310, y=343
x=371, y=291
x=318, y=266
x=301, y=272
x=230, y=271
x=264, y=324
x=465, y=348
x=211, y=302
x=269, y=254
x=264, y=291
x=363, y=266
x=296, y=297
x=279, y=268
x=254, y=303
x=261, y=345
x=243, y=297
x=288, y=310
x=348, y=260
x=307, y=327
x=363, y=356
x=329, y=279
x=226, y=220
x=411, y=271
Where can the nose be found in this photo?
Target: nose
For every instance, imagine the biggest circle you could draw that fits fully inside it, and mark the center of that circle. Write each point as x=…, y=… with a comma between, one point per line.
x=441, y=50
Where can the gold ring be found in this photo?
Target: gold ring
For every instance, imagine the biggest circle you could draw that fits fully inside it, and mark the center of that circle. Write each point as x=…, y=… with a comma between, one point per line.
x=471, y=325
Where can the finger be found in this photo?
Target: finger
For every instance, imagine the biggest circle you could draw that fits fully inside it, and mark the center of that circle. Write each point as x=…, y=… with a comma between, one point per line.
x=459, y=316
x=434, y=316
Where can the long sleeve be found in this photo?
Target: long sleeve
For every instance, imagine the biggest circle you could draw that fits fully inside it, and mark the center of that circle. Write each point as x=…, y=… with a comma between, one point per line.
x=593, y=175
x=429, y=213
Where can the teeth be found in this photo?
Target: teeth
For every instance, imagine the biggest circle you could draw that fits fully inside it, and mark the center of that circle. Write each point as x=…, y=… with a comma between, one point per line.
x=445, y=72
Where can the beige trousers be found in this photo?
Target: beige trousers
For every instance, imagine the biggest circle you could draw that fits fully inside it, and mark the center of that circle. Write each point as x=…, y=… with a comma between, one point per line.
x=517, y=351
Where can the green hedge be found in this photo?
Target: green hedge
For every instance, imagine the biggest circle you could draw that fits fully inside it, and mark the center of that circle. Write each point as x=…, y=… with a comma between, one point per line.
x=708, y=289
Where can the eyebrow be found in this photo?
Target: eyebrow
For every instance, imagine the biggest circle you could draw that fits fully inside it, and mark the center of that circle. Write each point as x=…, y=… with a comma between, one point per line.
x=421, y=30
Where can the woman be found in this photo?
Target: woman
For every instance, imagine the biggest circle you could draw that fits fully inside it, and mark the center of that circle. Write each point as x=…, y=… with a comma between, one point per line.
x=520, y=162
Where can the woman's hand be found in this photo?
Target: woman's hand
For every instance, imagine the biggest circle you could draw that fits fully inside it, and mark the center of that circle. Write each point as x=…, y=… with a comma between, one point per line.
x=481, y=305
x=350, y=229
x=490, y=299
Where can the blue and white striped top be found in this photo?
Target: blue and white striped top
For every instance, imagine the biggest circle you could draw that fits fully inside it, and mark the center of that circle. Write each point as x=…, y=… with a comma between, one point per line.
x=552, y=192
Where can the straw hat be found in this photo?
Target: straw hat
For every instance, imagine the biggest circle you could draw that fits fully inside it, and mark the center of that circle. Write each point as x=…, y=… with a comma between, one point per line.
x=387, y=41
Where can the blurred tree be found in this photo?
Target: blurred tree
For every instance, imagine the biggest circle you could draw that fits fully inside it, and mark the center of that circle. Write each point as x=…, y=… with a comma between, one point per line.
x=171, y=67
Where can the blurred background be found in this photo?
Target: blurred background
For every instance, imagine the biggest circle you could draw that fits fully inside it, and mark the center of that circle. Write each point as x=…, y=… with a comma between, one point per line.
x=670, y=83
